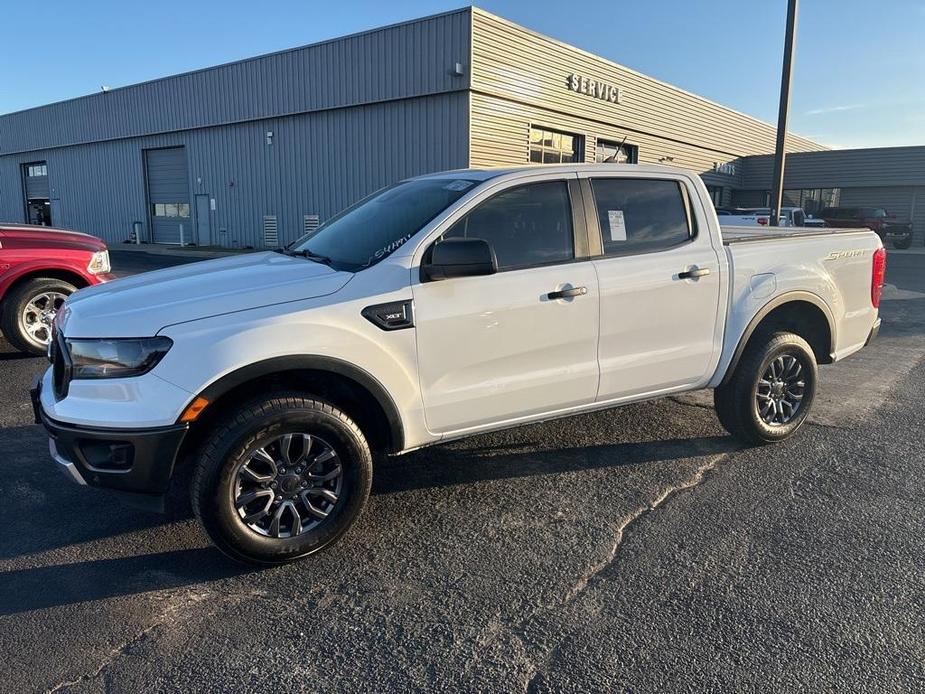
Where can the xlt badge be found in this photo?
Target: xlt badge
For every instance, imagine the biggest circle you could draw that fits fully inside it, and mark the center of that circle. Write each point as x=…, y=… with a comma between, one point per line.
x=394, y=315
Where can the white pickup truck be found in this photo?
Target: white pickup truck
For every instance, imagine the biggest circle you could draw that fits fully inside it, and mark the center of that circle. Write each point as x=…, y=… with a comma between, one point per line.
x=440, y=307
x=759, y=216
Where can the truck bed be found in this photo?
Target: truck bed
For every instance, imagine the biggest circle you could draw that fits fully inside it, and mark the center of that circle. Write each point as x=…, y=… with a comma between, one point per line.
x=738, y=234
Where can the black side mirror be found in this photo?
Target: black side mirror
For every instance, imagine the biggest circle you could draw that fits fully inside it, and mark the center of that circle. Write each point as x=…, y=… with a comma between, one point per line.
x=459, y=258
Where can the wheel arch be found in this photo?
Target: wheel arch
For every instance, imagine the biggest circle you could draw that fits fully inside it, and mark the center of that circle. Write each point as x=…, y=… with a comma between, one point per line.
x=345, y=385
x=12, y=282
x=802, y=313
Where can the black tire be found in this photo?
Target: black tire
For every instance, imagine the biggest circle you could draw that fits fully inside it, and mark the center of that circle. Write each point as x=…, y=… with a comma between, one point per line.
x=256, y=425
x=902, y=244
x=15, y=303
x=737, y=400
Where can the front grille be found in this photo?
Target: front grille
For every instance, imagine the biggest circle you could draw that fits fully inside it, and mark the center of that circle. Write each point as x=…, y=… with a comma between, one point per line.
x=60, y=365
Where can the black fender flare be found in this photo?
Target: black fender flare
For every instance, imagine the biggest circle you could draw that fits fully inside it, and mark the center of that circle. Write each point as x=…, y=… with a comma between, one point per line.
x=297, y=362
x=777, y=302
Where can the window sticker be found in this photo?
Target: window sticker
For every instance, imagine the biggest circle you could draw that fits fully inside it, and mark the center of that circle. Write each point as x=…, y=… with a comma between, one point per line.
x=458, y=185
x=617, y=225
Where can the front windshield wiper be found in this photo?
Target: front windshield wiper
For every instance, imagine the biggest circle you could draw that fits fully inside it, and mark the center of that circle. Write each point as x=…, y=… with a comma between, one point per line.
x=306, y=254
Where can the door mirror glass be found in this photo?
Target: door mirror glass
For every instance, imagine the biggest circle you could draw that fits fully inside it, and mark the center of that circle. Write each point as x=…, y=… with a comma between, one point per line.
x=459, y=258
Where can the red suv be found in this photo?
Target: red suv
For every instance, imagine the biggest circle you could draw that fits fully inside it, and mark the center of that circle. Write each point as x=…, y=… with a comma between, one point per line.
x=39, y=267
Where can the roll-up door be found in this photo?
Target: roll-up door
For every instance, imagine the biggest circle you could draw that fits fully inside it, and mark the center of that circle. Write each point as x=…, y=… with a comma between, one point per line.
x=168, y=195
x=36, y=178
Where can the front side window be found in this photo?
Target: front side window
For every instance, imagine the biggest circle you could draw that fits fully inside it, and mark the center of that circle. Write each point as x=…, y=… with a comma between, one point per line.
x=640, y=215
x=527, y=225
x=373, y=228
x=552, y=147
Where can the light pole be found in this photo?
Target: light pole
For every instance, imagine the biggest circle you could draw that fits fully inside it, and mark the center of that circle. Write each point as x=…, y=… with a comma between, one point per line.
x=777, y=192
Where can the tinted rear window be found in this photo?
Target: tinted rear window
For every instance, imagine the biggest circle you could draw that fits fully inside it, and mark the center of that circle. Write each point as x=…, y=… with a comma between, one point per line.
x=640, y=215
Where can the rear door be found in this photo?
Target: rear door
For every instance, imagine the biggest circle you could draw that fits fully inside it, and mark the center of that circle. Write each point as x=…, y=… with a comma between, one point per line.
x=660, y=285
x=498, y=348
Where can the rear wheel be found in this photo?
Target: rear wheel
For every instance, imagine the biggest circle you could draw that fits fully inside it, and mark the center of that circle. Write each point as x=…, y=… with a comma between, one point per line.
x=29, y=311
x=771, y=390
x=284, y=477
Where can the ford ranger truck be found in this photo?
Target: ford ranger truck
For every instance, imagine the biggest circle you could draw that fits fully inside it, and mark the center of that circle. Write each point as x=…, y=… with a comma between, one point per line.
x=437, y=308
x=39, y=268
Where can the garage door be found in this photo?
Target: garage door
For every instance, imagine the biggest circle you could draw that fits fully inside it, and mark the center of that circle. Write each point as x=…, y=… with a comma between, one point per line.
x=168, y=195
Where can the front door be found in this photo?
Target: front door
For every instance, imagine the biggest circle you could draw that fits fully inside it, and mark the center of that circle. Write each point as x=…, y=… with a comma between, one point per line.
x=660, y=287
x=497, y=348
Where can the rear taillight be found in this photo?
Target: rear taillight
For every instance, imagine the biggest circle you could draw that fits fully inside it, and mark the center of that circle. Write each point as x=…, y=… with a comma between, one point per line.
x=763, y=221
x=877, y=275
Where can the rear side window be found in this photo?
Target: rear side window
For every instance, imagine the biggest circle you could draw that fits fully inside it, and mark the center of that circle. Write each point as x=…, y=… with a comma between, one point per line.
x=640, y=215
x=527, y=225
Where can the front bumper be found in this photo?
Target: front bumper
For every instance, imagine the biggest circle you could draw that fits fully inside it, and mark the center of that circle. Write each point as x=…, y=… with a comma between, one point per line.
x=139, y=461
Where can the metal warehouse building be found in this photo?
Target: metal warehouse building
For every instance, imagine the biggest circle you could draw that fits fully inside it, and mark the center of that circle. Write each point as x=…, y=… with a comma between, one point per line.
x=255, y=152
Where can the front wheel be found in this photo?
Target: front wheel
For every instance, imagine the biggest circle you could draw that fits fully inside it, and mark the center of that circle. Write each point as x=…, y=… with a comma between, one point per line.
x=771, y=390
x=282, y=478
x=30, y=309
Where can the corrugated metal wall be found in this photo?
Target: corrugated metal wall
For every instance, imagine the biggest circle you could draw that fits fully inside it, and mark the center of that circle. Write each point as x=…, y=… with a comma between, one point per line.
x=500, y=131
x=347, y=116
x=882, y=166
x=394, y=62
x=318, y=163
x=521, y=77
x=890, y=177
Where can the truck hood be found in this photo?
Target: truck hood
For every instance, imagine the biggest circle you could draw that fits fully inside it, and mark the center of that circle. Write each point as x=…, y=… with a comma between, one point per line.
x=141, y=305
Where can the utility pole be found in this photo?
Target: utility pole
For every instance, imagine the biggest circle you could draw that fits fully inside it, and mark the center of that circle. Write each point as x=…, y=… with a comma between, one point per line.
x=777, y=192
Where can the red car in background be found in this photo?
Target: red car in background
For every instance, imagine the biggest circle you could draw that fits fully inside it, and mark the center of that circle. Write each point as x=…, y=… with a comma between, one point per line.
x=39, y=267
x=877, y=219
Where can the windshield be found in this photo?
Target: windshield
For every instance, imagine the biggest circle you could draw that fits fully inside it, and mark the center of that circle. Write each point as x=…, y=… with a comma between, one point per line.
x=370, y=230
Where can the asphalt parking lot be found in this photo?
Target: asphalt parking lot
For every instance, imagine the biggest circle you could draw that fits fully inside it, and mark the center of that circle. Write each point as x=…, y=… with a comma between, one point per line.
x=633, y=550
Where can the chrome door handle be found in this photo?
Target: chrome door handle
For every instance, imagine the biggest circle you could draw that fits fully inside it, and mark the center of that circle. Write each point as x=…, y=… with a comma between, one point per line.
x=567, y=293
x=694, y=273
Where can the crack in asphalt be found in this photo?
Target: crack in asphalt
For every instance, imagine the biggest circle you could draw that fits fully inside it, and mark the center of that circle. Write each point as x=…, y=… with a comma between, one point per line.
x=179, y=605
x=176, y=605
x=593, y=574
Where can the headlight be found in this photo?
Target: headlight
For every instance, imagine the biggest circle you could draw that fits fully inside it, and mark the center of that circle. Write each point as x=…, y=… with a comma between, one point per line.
x=99, y=262
x=116, y=357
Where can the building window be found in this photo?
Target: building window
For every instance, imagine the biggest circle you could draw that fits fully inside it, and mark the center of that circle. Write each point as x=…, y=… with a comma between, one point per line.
x=716, y=195
x=551, y=147
x=170, y=209
x=36, y=170
x=614, y=152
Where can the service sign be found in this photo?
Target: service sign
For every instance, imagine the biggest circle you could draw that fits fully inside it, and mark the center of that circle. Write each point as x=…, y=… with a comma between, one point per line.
x=594, y=88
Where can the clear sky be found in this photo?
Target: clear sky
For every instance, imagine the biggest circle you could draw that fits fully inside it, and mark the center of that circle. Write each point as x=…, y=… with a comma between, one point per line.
x=859, y=77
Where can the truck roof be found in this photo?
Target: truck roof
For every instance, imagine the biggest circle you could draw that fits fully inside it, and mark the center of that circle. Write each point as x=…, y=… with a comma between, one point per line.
x=513, y=171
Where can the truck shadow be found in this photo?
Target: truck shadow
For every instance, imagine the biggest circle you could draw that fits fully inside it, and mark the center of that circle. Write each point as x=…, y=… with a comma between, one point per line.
x=54, y=516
